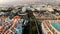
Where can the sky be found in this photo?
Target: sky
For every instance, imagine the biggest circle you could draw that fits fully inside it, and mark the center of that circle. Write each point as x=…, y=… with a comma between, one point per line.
x=16, y=1
x=12, y=2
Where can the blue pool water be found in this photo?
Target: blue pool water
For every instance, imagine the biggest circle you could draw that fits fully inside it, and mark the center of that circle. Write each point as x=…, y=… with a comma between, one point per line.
x=18, y=29
x=56, y=26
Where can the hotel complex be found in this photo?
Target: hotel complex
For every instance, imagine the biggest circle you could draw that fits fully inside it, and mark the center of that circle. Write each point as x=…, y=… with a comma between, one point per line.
x=51, y=27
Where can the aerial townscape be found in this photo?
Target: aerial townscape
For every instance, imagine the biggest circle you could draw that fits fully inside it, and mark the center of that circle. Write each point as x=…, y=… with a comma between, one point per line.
x=30, y=17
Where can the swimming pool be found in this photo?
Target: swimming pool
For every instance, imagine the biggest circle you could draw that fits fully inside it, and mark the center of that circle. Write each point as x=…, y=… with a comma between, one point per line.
x=56, y=26
x=18, y=29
